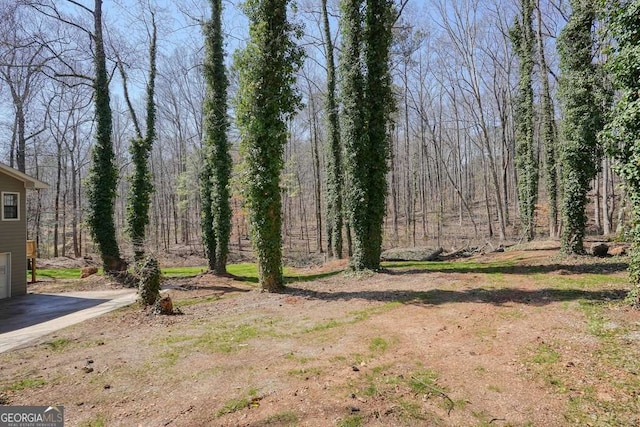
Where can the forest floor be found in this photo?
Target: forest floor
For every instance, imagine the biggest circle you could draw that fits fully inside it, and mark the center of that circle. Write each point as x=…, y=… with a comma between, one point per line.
x=522, y=337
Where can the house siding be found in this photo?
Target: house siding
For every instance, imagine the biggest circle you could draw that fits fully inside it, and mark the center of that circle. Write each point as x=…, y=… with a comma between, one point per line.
x=13, y=236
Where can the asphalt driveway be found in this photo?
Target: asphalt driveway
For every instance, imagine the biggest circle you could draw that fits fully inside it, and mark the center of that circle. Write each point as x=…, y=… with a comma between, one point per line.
x=26, y=318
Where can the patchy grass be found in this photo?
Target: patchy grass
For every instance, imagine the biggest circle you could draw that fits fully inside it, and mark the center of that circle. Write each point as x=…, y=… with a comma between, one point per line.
x=545, y=354
x=606, y=395
x=228, y=339
x=300, y=359
x=24, y=384
x=352, y=317
x=282, y=419
x=97, y=421
x=378, y=345
x=495, y=267
x=409, y=393
x=238, y=404
x=306, y=373
x=58, y=344
x=60, y=273
x=247, y=272
x=222, y=338
x=177, y=272
x=356, y=420
x=580, y=281
x=186, y=302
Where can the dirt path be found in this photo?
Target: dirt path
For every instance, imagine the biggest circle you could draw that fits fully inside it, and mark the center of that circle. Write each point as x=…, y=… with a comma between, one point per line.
x=519, y=338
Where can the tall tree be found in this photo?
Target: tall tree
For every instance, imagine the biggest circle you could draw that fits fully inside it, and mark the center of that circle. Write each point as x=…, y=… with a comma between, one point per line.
x=216, y=199
x=139, y=198
x=367, y=103
x=266, y=101
x=523, y=39
x=22, y=59
x=548, y=132
x=582, y=121
x=623, y=129
x=103, y=175
x=334, y=148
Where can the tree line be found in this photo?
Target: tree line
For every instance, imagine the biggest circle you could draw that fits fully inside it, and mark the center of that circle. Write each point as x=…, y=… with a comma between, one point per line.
x=332, y=128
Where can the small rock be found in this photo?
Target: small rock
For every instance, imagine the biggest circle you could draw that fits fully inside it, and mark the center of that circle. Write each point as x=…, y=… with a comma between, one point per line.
x=355, y=368
x=88, y=271
x=354, y=409
x=618, y=251
x=107, y=386
x=87, y=369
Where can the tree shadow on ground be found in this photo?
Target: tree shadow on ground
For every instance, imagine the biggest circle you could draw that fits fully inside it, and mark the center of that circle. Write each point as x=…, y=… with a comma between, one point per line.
x=290, y=279
x=498, y=297
x=593, y=268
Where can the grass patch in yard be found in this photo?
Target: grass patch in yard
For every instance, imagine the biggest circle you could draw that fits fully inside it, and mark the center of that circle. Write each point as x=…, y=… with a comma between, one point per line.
x=423, y=381
x=186, y=302
x=306, y=373
x=495, y=267
x=351, y=421
x=238, y=404
x=175, y=272
x=58, y=344
x=323, y=326
x=406, y=392
x=378, y=345
x=61, y=273
x=233, y=405
x=247, y=272
x=352, y=317
x=97, y=421
x=227, y=340
x=609, y=396
x=25, y=383
x=286, y=418
x=544, y=355
x=580, y=280
x=412, y=411
x=300, y=359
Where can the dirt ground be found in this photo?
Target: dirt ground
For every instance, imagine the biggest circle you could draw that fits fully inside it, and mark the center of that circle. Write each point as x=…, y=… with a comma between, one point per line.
x=520, y=338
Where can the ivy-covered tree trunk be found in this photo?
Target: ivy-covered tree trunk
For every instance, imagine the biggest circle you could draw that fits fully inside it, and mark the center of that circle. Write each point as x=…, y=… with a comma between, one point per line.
x=522, y=37
x=353, y=125
x=139, y=198
x=103, y=176
x=266, y=101
x=623, y=129
x=548, y=133
x=216, y=203
x=367, y=103
x=379, y=19
x=334, y=152
x=578, y=90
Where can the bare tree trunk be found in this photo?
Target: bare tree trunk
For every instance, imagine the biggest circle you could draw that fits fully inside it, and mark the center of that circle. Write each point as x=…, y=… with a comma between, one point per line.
x=606, y=218
x=596, y=211
x=56, y=203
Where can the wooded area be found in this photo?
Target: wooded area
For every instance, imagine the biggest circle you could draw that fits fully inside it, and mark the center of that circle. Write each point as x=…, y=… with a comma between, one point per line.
x=479, y=134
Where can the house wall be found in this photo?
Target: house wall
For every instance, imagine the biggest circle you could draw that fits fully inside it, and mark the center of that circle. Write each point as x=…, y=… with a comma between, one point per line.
x=13, y=236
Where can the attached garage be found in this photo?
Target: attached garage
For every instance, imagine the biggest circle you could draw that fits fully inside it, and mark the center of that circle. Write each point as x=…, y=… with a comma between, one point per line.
x=13, y=229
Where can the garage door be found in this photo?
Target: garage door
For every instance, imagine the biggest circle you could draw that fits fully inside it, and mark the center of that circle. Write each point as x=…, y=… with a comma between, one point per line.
x=5, y=275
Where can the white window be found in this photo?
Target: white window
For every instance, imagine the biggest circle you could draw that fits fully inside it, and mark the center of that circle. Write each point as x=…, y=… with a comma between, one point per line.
x=10, y=206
